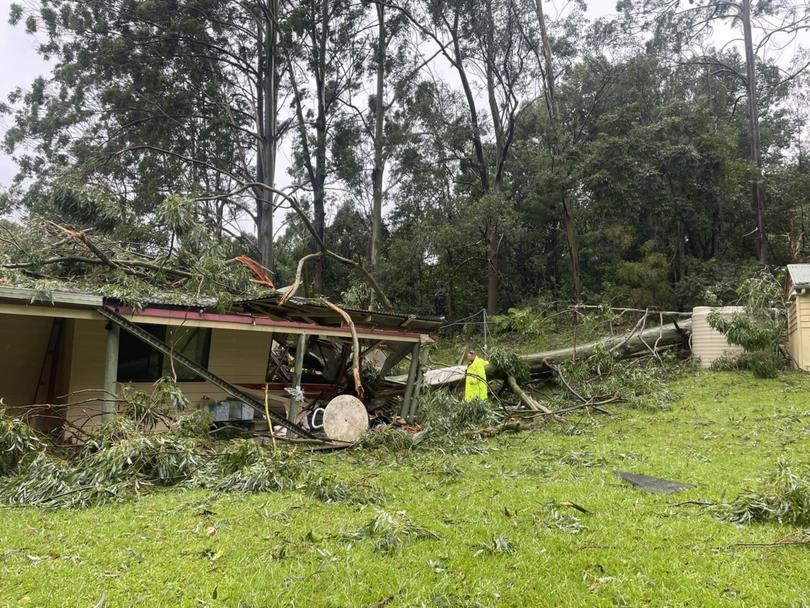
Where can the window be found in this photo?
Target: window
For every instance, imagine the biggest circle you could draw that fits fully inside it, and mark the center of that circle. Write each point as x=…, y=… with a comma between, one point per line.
x=139, y=362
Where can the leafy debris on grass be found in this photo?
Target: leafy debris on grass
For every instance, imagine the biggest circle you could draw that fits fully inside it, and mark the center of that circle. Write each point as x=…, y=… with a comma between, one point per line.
x=123, y=457
x=329, y=490
x=385, y=438
x=449, y=416
x=390, y=533
x=499, y=544
x=783, y=496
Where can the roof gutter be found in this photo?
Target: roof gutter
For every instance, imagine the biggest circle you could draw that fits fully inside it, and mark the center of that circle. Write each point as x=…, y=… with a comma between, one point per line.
x=194, y=318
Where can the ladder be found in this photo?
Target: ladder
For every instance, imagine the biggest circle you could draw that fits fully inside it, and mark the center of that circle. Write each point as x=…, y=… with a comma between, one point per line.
x=202, y=372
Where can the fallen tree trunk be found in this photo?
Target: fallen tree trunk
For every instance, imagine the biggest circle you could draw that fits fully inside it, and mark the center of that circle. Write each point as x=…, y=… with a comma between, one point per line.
x=622, y=346
x=631, y=344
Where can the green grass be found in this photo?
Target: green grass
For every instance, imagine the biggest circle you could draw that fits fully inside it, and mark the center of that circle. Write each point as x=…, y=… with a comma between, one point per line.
x=504, y=538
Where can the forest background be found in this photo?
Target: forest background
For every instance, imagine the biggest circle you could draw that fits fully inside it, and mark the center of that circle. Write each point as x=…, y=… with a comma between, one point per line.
x=469, y=153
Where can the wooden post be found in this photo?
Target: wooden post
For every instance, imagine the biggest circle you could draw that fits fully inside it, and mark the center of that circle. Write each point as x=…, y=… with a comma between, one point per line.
x=299, y=366
x=406, y=401
x=111, y=372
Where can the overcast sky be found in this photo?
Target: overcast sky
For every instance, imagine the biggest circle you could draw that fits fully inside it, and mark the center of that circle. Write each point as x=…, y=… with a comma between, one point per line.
x=20, y=64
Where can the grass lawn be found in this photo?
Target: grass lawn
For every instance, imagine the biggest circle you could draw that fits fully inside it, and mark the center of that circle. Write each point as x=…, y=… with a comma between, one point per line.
x=504, y=538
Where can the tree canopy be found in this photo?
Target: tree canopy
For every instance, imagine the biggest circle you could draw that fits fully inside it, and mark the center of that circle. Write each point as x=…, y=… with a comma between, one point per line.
x=460, y=154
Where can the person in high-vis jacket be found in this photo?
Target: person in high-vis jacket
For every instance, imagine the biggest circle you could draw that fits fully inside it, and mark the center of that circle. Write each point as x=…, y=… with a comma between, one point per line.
x=476, y=385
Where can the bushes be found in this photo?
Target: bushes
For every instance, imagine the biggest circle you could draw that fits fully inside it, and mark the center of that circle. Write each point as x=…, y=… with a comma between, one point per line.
x=16, y=440
x=526, y=321
x=761, y=329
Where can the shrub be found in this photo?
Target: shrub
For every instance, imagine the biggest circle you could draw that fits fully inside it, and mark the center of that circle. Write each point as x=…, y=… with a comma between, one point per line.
x=449, y=415
x=17, y=439
x=761, y=329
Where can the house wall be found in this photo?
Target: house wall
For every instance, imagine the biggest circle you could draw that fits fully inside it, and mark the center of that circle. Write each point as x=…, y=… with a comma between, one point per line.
x=799, y=331
x=23, y=342
x=793, y=332
x=235, y=356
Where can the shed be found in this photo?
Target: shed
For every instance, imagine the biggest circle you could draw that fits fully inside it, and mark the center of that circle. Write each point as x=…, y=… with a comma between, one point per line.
x=74, y=350
x=798, y=314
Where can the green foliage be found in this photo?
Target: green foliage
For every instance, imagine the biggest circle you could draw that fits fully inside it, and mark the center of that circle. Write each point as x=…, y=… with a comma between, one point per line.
x=644, y=282
x=603, y=375
x=386, y=438
x=783, y=496
x=527, y=321
x=750, y=333
x=358, y=295
x=159, y=459
x=390, y=533
x=17, y=440
x=761, y=328
x=48, y=482
x=329, y=490
x=109, y=434
x=83, y=208
x=371, y=377
x=142, y=409
x=509, y=362
x=448, y=416
x=195, y=424
x=244, y=466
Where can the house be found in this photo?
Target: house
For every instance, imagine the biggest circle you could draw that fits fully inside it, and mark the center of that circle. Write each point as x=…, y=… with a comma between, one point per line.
x=798, y=313
x=75, y=350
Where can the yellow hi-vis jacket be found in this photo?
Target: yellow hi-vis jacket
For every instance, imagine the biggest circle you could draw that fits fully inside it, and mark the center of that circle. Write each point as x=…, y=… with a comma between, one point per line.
x=476, y=387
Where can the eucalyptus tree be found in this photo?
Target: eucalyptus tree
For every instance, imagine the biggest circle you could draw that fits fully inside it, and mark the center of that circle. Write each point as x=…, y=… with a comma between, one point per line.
x=560, y=140
x=150, y=99
x=325, y=55
x=764, y=25
x=478, y=43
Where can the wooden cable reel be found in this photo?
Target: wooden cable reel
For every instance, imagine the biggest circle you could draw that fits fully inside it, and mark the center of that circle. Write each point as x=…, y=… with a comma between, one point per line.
x=345, y=419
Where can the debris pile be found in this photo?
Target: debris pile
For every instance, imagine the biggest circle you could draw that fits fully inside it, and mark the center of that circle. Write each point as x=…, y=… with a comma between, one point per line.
x=783, y=497
x=125, y=457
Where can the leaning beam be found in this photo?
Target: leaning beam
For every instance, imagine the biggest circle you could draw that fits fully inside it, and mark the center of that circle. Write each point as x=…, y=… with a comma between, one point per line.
x=201, y=371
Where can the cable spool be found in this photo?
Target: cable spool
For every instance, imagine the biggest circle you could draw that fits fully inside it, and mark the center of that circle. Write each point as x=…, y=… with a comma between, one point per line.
x=345, y=418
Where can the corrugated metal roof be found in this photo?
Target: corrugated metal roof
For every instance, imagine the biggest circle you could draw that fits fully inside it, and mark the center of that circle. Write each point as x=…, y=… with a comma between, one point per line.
x=799, y=275
x=307, y=309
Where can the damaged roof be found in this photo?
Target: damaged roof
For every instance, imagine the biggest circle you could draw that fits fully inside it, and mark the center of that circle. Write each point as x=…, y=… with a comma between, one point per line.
x=296, y=309
x=310, y=310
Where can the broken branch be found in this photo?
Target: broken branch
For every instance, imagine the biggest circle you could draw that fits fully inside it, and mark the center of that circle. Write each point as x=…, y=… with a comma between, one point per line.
x=527, y=400
x=358, y=382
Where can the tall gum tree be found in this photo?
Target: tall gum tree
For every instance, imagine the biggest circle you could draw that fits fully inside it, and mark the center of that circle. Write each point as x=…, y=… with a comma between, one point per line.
x=150, y=99
x=764, y=24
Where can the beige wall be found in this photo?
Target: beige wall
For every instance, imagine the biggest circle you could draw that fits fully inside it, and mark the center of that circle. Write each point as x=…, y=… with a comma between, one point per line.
x=23, y=342
x=235, y=356
x=799, y=331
